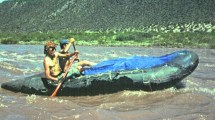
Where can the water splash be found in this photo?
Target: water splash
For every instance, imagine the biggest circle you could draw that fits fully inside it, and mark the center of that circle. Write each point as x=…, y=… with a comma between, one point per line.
x=30, y=99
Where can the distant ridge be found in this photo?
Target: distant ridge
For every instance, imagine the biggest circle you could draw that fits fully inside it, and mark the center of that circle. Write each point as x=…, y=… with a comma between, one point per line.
x=94, y=15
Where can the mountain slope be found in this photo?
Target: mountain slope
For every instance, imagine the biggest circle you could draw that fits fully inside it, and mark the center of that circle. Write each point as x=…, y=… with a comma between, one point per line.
x=82, y=15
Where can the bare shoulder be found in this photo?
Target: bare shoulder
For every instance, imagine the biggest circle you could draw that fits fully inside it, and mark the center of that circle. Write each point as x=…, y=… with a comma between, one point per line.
x=46, y=60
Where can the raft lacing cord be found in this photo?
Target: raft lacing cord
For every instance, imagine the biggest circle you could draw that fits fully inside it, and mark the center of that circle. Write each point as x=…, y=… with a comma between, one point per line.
x=114, y=76
x=147, y=82
x=152, y=77
x=110, y=75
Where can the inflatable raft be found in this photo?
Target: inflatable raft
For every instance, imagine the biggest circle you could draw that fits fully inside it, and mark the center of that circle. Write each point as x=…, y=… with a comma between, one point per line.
x=133, y=73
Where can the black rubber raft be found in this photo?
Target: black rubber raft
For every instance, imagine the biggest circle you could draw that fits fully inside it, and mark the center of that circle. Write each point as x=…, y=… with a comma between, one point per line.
x=149, y=79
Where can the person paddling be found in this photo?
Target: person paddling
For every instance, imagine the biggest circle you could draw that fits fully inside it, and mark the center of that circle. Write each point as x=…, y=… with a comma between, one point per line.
x=65, y=46
x=51, y=65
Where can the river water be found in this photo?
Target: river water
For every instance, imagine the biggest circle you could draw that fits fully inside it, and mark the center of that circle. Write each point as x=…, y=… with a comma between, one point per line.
x=194, y=101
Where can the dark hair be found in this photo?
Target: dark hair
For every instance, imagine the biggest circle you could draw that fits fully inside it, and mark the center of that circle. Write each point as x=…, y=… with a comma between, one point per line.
x=61, y=46
x=63, y=42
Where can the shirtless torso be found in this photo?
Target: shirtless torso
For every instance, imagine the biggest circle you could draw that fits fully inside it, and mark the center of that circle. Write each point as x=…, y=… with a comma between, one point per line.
x=64, y=62
x=52, y=66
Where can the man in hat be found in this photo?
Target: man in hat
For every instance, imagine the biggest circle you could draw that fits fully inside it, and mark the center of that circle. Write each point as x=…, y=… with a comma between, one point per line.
x=52, y=68
x=65, y=46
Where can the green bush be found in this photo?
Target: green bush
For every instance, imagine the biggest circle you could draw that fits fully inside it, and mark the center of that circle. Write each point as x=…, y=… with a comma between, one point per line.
x=9, y=41
x=171, y=36
x=125, y=37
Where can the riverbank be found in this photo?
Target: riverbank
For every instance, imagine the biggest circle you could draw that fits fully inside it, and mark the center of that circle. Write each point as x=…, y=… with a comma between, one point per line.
x=179, y=36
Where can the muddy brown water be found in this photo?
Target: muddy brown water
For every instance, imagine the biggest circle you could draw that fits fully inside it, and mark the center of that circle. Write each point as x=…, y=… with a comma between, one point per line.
x=194, y=101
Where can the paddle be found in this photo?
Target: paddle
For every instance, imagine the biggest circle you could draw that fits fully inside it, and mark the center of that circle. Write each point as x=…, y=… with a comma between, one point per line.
x=64, y=76
x=75, y=50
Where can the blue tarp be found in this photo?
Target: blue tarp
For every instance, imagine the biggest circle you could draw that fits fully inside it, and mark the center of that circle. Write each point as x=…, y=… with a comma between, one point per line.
x=130, y=63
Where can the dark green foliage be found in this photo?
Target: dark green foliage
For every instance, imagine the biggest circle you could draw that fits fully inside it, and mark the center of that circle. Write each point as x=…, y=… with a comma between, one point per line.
x=9, y=41
x=25, y=38
x=122, y=38
x=135, y=36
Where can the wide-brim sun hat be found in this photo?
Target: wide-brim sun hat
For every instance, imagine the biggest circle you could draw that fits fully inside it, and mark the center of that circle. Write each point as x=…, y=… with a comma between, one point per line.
x=49, y=44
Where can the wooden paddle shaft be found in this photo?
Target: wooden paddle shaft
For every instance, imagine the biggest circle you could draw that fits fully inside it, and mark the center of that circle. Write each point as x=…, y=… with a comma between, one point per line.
x=64, y=76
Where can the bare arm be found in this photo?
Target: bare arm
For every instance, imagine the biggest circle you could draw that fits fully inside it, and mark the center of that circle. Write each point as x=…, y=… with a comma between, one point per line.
x=68, y=54
x=71, y=41
x=47, y=71
x=67, y=47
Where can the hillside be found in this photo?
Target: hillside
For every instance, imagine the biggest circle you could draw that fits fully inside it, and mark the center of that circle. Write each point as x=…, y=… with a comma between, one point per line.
x=82, y=15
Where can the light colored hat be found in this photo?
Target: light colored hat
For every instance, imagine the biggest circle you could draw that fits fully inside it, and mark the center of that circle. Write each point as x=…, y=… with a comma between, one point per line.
x=48, y=45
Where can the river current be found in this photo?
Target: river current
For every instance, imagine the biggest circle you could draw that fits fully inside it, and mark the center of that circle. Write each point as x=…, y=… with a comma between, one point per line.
x=194, y=101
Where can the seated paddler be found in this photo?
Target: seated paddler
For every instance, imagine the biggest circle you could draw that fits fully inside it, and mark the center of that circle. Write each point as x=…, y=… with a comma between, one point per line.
x=65, y=45
x=51, y=65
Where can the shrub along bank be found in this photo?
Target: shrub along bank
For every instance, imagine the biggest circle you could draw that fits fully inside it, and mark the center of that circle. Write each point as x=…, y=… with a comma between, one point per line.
x=187, y=35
